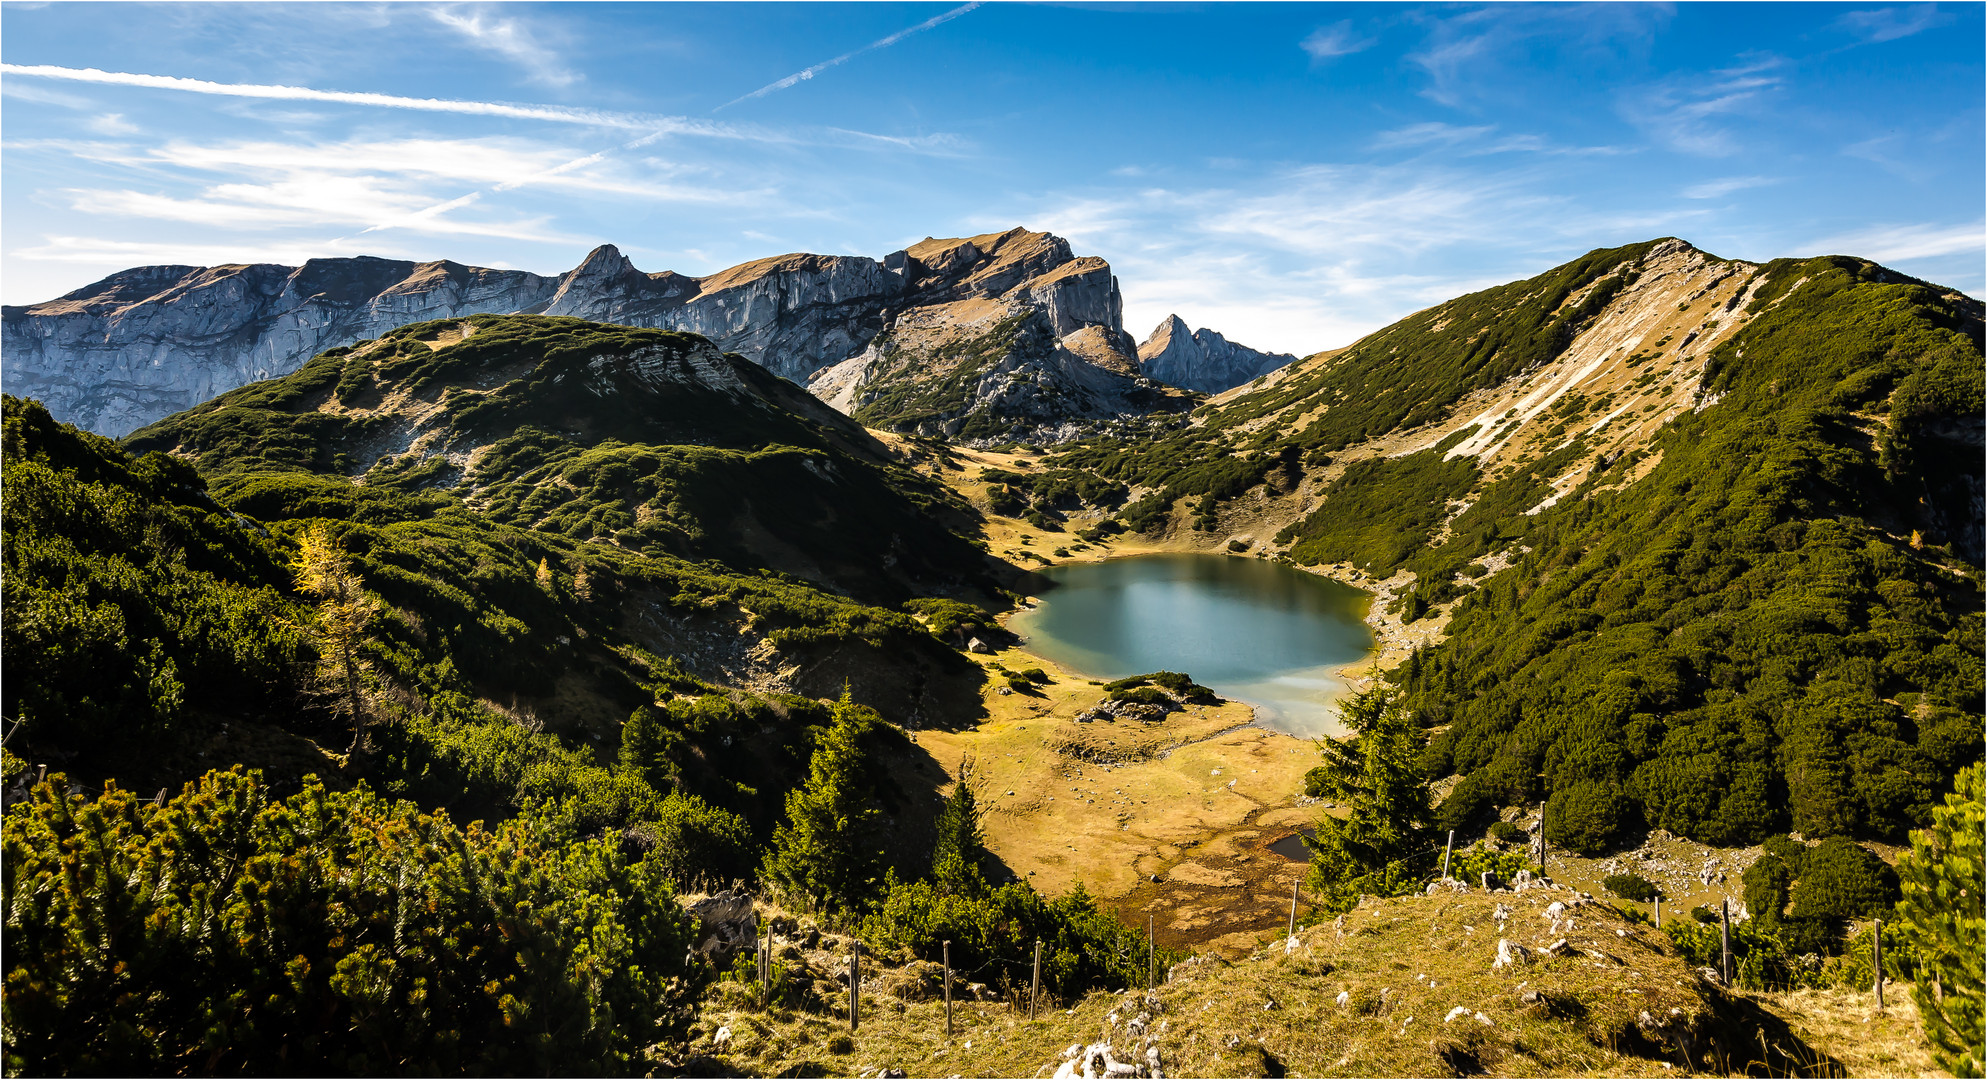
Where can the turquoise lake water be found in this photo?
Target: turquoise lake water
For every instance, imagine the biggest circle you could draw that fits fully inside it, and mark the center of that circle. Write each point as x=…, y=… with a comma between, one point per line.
x=1252, y=630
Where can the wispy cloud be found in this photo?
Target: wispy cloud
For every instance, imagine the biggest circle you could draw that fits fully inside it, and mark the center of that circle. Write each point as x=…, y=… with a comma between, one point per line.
x=525, y=46
x=880, y=43
x=1896, y=243
x=1474, y=141
x=98, y=251
x=557, y=114
x=366, y=187
x=111, y=124
x=1434, y=133
x=1716, y=189
x=1338, y=39
x=42, y=95
x=1311, y=257
x=1465, y=56
x=1688, y=112
x=1891, y=23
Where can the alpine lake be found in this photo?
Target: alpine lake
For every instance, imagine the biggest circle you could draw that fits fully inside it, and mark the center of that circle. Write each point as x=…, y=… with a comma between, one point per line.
x=1256, y=631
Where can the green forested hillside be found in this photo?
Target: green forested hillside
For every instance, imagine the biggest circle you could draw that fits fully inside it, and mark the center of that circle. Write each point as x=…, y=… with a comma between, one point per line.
x=525, y=580
x=1752, y=638
x=1778, y=627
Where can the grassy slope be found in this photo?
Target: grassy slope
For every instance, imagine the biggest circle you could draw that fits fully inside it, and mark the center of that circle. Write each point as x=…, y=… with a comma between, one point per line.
x=1406, y=375
x=1404, y=965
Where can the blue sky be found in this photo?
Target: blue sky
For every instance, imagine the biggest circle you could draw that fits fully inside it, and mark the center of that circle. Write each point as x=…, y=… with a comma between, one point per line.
x=1291, y=175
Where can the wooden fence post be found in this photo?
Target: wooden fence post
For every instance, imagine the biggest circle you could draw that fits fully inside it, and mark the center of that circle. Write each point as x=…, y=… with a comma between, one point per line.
x=948, y=989
x=1542, y=843
x=1293, y=904
x=1445, y=854
x=1725, y=939
x=855, y=984
x=1035, y=992
x=1659, y=912
x=1877, y=960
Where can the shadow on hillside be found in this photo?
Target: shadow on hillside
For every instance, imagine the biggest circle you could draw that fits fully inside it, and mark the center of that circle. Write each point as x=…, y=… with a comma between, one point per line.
x=1751, y=1041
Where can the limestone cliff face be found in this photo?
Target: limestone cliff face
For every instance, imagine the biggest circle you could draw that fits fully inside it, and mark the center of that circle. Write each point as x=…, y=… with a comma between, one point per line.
x=792, y=314
x=145, y=343
x=1001, y=337
x=1202, y=360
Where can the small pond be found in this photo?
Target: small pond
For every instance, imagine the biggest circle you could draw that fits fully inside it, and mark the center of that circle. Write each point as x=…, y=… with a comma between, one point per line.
x=1253, y=630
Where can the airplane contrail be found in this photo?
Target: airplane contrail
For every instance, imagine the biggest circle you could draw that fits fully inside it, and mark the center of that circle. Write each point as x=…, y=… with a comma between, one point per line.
x=557, y=114
x=880, y=43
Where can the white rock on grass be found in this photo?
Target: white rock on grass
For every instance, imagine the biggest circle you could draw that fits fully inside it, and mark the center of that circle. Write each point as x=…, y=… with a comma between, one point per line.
x=1510, y=954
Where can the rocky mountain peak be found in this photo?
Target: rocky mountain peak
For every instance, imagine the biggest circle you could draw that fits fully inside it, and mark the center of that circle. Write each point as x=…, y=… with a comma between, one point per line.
x=1202, y=360
x=602, y=279
x=1170, y=329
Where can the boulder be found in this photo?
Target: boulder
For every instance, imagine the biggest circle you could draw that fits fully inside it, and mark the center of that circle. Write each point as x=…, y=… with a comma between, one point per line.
x=725, y=922
x=1511, y=954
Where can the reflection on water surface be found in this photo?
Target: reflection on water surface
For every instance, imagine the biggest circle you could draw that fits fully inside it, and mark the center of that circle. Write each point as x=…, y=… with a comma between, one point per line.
x=1254, y=630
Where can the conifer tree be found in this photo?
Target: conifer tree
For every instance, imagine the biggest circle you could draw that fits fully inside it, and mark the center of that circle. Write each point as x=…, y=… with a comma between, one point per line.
x=343, y=611
x=1377, y=775
x=645, y=746
x=1944, y=882
x=825, y=851
x=955, y=860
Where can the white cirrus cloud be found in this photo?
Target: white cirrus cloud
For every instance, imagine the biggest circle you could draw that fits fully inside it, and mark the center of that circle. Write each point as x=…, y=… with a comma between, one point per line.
x=1723, y=186
x=415, y=185
x=1467, y=56
x=1432, y=133
x=1690, y=112
x=1338, y=39
x=1897, y=243
x=1891, y=23
x=527, y=46
x=112, y=253
x=1313, y=257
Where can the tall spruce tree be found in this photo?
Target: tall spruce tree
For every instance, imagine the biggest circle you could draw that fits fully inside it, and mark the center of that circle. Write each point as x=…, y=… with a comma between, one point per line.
x=1376, y=775
x=1944, y=883
x=825, y=852
x=955, y=859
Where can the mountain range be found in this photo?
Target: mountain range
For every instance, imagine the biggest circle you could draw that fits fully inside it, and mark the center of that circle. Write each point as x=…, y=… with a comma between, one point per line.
x=1021, y=336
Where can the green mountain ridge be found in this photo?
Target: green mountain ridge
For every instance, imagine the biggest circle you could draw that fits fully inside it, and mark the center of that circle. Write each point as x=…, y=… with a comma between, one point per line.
x=1765, y=579
x=1702, y=537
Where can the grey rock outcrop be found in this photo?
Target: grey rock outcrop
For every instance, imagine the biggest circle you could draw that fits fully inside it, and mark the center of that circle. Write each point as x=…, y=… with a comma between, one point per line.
x=1202, y=360
x=145, y=343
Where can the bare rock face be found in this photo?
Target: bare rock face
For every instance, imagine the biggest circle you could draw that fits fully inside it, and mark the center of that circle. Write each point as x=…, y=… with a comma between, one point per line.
x=1001, y=337
x=145, y=343
x=791, y=314
x=1202, y=360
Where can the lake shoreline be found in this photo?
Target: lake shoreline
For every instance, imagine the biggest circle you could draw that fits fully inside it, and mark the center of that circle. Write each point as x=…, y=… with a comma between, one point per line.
x=1249, y=629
